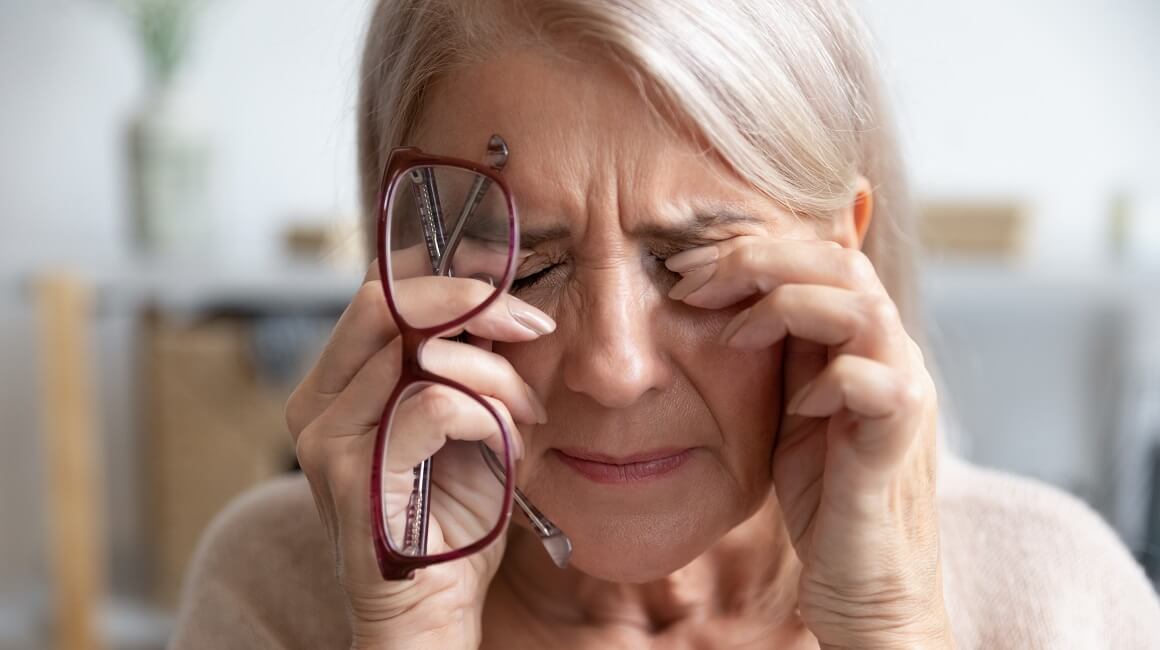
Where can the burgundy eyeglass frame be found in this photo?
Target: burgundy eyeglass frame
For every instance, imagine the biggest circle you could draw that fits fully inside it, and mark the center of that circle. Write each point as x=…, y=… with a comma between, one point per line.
x=392, y=564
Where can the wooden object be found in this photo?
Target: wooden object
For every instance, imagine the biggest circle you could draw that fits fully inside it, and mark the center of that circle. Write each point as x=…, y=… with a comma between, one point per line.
x=75, y=489
x=973, y=228
x=214, y=430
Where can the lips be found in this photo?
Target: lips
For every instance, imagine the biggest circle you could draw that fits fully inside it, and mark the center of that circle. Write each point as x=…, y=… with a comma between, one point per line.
x=633, y=468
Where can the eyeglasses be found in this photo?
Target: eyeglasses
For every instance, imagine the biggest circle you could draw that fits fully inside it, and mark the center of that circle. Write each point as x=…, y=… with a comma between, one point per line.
x=433, y=502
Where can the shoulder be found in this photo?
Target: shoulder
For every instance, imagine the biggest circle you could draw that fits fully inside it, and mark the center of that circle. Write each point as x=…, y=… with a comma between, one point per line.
x=263, y=576
x=1027, y=565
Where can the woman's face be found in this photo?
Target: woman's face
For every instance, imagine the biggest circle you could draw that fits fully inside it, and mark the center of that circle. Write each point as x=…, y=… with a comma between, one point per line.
x=659, y=438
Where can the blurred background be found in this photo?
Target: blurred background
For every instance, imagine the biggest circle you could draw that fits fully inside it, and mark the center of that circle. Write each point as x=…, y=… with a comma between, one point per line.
x=178, y=233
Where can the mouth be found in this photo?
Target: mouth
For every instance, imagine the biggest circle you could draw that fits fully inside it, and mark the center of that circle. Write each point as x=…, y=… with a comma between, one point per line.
x=635, y=468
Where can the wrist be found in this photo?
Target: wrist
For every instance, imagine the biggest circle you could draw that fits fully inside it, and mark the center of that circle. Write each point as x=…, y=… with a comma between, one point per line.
x=401, y=639
x=419, y=628
x=930, y=631
x=413, y=620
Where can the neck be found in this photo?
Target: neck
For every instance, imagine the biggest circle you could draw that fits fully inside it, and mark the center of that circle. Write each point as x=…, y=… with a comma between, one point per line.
x=749, y=573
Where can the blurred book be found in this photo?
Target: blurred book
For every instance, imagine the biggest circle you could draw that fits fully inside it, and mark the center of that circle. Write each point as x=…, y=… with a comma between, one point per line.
x=337, y=242
x=989, y=228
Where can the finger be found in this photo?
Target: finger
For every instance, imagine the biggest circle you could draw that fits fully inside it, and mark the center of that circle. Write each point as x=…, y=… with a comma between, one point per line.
x=358, y=409
x=748, y=266
x=875, y=411
x=431, y=301
x=366, y=326
x=854, y=323
x=427, y=419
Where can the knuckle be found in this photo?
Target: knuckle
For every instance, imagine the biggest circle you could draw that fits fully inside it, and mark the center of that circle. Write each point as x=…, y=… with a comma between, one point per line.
x=311, y=454
x=292, y=413
x=857, y=268
x=916, y=351
x=910, y=393
x=844, y=366
x=436, y=404
x=745, y=257
x=881, y=313
x=370, y=294
x=780, y=299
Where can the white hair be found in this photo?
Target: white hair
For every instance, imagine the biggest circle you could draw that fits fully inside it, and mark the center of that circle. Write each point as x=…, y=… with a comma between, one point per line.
x=785, y=92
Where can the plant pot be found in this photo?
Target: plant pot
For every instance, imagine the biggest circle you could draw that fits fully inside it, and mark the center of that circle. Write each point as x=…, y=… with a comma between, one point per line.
x=171, y=164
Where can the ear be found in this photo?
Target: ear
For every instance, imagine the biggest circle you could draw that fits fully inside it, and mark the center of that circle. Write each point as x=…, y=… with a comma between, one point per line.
x=851, y=223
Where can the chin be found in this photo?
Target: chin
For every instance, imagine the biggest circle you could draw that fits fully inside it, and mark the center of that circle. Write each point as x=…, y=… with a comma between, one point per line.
x=643, y=531
x=642, y=542
x=639, y=553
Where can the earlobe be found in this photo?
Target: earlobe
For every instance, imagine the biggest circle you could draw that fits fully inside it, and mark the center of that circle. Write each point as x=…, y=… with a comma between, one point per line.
x=851, y=223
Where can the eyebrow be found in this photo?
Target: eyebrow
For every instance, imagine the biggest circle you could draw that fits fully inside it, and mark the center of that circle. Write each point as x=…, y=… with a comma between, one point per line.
x=699, y=225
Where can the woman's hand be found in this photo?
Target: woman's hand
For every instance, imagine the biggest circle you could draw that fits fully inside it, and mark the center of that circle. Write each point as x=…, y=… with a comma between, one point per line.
x=854, y=458
x=334, y=415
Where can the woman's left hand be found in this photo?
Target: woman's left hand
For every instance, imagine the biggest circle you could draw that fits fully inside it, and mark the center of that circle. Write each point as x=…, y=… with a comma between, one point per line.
x=855, y=456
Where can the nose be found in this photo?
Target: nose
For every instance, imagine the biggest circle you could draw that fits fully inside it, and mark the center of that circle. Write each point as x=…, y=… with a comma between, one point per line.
x=615, y=356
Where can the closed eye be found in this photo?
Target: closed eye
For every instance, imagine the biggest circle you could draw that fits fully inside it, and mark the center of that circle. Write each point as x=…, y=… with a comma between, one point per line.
x=529, y=281
x=545, y=274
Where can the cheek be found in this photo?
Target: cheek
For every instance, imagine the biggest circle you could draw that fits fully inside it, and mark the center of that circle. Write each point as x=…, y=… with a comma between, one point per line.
x=742, y=389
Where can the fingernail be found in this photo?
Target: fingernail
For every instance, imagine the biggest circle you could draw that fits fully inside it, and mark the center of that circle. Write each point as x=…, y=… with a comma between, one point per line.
x=737, y=323
x=530, y=317
x=691, y=259
x=537, y=405
x=796, y=402
x=691, y=282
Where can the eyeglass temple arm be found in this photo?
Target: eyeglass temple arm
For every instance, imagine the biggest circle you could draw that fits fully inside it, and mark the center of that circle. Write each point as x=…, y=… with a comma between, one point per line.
x=497, y=156
x=555, y=542
x=430, y=215
x=431, y=220
x=441, y=251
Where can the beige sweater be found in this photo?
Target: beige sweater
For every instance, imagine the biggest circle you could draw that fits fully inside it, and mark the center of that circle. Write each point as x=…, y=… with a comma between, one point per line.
x=1025, y=566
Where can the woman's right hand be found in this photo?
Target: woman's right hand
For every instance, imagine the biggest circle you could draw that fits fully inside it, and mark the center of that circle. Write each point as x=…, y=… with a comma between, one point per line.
x=334, y=414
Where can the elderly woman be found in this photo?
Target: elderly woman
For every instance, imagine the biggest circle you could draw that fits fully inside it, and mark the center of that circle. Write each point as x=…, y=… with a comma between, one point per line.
x=638, y=364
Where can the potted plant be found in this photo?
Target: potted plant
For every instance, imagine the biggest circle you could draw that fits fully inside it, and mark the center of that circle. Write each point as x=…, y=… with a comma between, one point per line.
x=169, y=142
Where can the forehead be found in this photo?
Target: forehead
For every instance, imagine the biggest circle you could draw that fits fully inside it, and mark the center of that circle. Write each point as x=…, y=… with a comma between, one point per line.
x=579, y=133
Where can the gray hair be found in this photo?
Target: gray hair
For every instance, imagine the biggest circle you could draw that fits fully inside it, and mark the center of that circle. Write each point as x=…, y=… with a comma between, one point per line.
x=786, y=92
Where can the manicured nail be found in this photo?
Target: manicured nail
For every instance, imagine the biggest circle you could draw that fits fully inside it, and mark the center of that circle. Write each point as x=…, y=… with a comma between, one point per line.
x=796, y=402
x=530, y=317
x=537, y=405
x=691, y=259
x=736, y=324
x=696, y=279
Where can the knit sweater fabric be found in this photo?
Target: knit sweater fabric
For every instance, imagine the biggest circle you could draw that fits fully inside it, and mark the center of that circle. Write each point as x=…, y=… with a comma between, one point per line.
x=1025, y=566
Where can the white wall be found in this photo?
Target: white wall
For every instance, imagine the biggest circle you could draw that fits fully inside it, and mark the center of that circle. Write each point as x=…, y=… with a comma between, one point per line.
x=1052, y=99
x=1057, y=100
x=276, y=81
